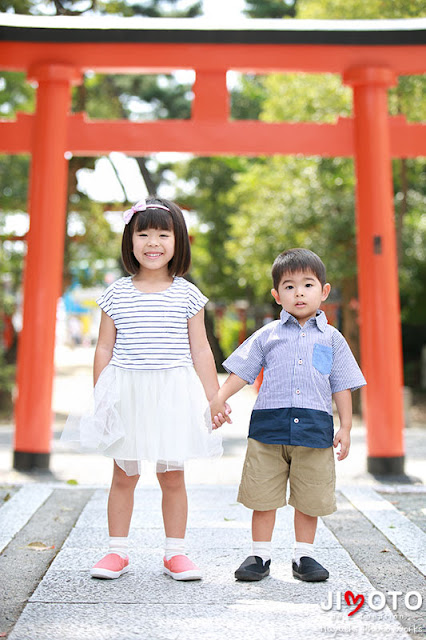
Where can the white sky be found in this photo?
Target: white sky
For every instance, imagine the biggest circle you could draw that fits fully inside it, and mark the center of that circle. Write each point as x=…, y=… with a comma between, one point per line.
x=102, y=184
x=226, y=9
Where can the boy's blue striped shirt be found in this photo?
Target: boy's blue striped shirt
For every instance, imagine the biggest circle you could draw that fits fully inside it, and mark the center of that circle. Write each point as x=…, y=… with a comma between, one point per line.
x=303, y=367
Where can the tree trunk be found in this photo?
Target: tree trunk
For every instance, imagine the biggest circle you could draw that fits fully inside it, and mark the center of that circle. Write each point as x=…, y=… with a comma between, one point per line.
x=403, y=207
x=147, y=177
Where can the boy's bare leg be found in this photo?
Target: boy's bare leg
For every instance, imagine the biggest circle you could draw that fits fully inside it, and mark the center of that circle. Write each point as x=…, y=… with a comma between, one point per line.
x=305, y=527
x=305, y=567
x=256, y=566
x=262, y=525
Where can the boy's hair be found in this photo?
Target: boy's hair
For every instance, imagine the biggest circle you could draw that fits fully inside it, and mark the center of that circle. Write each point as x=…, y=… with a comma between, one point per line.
x=294, y=260
x=171, y=220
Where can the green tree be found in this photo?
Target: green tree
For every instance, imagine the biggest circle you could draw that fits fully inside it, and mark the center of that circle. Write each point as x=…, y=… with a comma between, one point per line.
x=360, y=10
x=147, y=8
x=211, y=181
x=101, y=96
x=271, y=8
x=310, y=201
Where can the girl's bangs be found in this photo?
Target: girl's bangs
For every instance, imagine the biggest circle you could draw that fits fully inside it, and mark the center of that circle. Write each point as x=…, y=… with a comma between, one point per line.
x=154, y=219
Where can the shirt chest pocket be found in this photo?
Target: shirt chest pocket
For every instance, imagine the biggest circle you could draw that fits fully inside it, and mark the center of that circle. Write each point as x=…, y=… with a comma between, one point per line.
x=322, y=358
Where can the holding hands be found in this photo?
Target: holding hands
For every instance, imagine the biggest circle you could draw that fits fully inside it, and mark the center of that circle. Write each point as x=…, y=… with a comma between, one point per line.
x=220, y=411
x=219, y=408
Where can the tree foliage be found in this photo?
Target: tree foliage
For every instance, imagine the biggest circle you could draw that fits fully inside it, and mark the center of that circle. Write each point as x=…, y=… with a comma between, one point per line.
x=248, y=210
x=281, y=202
x=100, y=96
x=212, y=181
x=147, y=8
x=360, y=10
x=271, y=8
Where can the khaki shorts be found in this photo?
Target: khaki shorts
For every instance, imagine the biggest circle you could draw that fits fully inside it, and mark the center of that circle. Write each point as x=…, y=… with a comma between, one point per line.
x=311, y=472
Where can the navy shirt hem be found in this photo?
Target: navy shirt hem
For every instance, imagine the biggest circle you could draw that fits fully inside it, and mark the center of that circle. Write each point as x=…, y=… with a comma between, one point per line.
x=292, y=426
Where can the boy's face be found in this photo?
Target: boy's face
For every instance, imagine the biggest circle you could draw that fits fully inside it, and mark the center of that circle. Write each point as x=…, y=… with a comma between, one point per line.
x=301, y=294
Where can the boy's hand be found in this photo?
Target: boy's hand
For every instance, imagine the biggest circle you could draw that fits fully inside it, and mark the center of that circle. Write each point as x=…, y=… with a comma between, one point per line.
x=220, y=412
x=343, y=437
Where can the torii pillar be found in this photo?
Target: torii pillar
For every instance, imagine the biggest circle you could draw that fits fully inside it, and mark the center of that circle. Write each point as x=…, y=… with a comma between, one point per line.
x=43, y=266
x=381, y=347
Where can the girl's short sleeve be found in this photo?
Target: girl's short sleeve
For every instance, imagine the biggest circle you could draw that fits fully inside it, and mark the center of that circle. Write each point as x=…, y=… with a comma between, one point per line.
x=105, y=301
x=195, y=300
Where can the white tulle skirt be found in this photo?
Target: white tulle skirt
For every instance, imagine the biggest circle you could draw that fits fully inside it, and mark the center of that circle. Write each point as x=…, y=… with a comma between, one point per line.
x=160, y=416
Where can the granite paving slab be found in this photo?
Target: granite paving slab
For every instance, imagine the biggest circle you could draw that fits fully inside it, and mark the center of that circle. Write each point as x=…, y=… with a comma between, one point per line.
x=403, y=533
x=144, y=603
x=15, y=513
x=146, y=583
x=244, y=620
x=227, y=537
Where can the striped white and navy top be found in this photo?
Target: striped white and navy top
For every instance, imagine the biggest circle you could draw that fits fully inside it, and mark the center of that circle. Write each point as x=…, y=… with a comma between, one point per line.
x=303, y=367
x=152, y=328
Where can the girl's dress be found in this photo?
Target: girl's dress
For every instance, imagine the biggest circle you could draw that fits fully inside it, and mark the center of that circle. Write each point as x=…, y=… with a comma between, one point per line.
x=149, y=403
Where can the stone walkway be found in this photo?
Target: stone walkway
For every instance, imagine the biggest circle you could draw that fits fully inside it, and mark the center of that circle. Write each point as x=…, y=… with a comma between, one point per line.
x=52, y=532
x=69, y=605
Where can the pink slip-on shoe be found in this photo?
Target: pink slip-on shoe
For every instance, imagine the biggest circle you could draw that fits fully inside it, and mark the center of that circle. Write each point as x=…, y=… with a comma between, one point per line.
x=111, y=566
x=181, y=568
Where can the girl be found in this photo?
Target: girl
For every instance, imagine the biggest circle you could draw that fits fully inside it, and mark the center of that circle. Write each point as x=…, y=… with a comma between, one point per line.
x=150, y=404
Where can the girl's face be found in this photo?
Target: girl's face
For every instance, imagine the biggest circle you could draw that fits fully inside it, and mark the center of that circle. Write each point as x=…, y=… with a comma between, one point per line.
x=154, y=248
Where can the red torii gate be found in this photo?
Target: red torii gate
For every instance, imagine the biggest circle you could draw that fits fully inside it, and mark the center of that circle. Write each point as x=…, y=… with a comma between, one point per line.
x=369, y=55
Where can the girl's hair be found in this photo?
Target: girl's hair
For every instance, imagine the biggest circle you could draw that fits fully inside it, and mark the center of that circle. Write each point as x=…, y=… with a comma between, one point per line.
x=171, y=220
x=295, y=260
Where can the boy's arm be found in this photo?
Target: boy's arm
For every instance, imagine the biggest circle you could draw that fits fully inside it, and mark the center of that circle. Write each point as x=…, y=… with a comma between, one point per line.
x=343, y=400
x=218, y=404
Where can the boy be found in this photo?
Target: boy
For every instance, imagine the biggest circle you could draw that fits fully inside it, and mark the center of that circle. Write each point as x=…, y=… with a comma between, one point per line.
x=306, y=362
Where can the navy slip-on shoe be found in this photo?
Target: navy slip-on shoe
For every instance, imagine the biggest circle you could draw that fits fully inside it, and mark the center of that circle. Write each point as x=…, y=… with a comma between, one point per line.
x=252, y=569
x=309, y=570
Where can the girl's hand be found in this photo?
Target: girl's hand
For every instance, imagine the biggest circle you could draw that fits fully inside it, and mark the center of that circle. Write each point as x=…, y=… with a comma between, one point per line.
x=343, y=437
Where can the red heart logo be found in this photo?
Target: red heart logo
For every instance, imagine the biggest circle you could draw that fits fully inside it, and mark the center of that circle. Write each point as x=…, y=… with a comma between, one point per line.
x=350, y=599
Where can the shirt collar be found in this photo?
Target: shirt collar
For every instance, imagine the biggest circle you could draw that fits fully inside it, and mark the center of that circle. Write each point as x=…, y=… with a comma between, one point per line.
x=320, y=319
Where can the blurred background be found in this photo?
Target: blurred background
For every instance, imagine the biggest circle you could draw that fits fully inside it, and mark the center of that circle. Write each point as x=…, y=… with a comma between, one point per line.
x=241, y=211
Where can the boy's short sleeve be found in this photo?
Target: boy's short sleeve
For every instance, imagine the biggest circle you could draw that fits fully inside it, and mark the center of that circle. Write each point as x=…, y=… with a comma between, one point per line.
x=106, y=300
x=345, y=372
x=195, y=300
x=247, y=360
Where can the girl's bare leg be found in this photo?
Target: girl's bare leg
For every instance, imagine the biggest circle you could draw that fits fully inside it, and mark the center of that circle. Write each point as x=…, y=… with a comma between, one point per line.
x=120, y=502
x=174, y=503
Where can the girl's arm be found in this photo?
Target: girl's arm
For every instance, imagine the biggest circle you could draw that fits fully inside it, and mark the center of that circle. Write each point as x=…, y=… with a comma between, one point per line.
x=343, y=400
x=105, y=345
x=202, y=357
